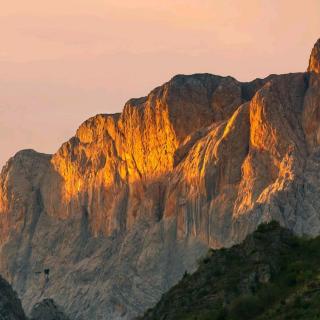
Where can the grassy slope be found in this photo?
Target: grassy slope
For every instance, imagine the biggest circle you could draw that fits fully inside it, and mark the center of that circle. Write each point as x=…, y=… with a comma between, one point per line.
x=271, y=275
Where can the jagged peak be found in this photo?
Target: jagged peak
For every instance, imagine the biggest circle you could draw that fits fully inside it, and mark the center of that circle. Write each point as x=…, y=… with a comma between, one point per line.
x=314, y=61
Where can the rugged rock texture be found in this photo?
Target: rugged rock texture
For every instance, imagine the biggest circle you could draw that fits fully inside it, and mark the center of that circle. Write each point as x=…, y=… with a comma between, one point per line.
x=47, y=310
x=10, y=305
x=129, y=203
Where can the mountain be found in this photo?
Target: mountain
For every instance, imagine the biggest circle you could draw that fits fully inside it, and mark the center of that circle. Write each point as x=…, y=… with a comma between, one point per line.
x=10, y=305
x=271, y=275
x=127, y=205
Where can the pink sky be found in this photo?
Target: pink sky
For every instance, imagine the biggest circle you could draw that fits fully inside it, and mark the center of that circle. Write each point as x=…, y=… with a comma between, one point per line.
x=64, y=61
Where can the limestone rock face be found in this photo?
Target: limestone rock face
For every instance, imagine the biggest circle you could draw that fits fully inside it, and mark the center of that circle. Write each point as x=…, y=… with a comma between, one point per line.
x=129, y=203
x=107, y=165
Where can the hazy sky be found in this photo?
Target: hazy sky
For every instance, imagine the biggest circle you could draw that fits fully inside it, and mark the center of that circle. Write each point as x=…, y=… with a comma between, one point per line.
x=65, y=60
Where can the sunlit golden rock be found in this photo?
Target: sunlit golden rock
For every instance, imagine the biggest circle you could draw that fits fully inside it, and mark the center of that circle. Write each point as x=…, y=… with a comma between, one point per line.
x=311, y=114
x=314, y=62
x=114, y=155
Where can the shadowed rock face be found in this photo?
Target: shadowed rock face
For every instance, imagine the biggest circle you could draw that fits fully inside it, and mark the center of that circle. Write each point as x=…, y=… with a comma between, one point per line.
x=10, y=305
x=47, y=310
x=128, y=204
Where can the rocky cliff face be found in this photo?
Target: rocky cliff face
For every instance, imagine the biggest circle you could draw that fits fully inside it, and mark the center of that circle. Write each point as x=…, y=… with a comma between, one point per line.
x=133, y=199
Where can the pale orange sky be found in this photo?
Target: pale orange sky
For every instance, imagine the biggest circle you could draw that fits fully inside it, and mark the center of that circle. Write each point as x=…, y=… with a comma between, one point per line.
x=64, y=61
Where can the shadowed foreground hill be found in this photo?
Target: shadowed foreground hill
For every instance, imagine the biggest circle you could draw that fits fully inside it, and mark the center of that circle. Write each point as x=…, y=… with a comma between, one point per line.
x=271, y=275
x=10, y=305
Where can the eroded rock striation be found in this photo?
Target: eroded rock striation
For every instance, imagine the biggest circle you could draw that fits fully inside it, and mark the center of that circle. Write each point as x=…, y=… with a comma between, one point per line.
x=129, y=203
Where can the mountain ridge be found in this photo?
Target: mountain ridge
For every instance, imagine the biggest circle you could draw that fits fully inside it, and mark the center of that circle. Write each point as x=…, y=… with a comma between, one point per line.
x=133, y=199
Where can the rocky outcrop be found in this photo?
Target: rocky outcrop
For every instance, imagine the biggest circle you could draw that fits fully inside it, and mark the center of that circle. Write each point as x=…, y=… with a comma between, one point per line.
x=10, y=305
x=133, y=199
x=47, y=310
x=314, y=62
x=11, y=308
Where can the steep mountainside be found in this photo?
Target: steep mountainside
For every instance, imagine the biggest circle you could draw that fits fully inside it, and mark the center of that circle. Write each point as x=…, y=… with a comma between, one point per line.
x=271, y=275
x=133, y=199
x=10, y=305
